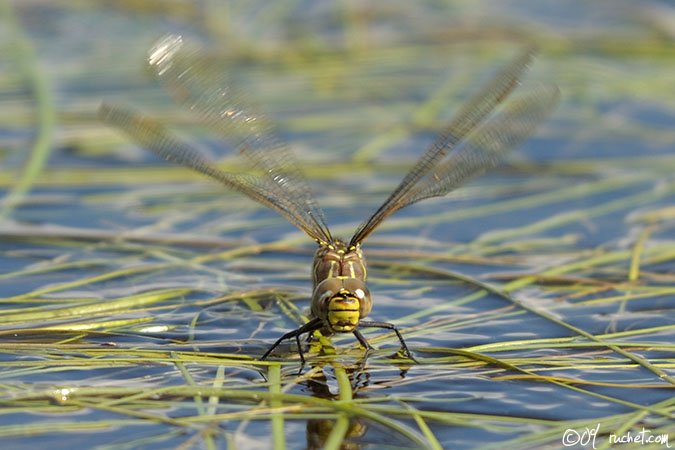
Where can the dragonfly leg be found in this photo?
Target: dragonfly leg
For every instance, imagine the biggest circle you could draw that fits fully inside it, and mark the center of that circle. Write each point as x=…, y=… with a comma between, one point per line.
x=362, y=340
x=388, y=326
x=310, y=326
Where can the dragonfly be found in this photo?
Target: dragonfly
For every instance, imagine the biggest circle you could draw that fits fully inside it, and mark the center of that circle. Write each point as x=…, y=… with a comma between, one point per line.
x=490, y=122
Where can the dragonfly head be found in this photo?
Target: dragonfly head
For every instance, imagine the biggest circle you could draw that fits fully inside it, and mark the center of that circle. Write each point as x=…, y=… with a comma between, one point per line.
x=341, y=303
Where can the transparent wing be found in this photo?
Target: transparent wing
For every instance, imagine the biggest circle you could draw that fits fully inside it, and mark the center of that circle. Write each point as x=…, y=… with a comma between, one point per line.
x=152, y=135
x=470, y=144
x=196, y=83
x=485, y=147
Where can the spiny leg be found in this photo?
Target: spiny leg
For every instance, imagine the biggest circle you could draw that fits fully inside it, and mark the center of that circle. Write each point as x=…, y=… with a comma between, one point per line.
x=310, y=326
x=362, y=339
x=365, y=343
x=388, y=326
x=362, y=363
x=360, y=366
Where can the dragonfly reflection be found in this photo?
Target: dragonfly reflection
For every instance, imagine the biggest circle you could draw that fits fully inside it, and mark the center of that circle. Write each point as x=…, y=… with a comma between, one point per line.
x=475, y=140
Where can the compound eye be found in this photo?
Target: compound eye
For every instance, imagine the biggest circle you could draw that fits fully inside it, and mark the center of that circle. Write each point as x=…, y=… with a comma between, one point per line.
x=326, y=295
x=360, y=294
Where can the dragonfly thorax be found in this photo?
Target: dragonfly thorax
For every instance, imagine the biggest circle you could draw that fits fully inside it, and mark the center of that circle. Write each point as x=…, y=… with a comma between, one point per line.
x=341, y=302
x=338, y=260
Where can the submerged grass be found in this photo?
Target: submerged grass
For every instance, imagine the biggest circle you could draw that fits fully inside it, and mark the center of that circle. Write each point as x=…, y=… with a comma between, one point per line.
x=37, y=81
x=138, y=314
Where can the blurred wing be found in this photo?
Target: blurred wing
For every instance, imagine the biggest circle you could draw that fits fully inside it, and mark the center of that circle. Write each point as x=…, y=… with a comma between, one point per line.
x=485, y=147
x=194, y=82
x=470, y=143
x=152, y=135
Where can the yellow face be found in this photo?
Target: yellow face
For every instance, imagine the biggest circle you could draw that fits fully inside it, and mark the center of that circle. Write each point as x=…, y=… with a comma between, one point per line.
x=341, y=303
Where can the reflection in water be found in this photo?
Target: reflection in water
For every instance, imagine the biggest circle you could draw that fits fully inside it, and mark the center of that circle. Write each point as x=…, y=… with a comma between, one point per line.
x=319, y=429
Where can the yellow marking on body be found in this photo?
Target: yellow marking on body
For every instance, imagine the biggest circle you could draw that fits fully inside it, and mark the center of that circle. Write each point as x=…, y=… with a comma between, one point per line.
x=330, y=271
x=351, y=269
